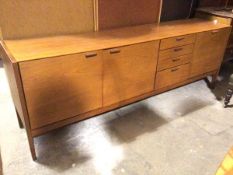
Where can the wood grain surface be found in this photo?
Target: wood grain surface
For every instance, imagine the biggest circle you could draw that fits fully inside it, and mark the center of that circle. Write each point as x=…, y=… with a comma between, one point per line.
x=209, y=51
x=177, y=41
x=176, y=51
x=37, y=18
x=119, y=13
x=69, y=44
x=172, y=76
x=129, y=72
x=63, y=87
x=173, y=61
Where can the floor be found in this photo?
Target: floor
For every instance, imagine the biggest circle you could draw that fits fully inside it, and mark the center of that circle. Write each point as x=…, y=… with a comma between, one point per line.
x=182, y=132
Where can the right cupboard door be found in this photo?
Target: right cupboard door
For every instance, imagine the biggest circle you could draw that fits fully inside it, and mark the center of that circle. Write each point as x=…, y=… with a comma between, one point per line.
x=129, y=71
x=209, y=51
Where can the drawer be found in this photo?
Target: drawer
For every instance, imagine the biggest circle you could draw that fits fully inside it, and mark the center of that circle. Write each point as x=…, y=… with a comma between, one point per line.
x=176, y=52
x=177, y=41
x=172, y=76
x=173, y=62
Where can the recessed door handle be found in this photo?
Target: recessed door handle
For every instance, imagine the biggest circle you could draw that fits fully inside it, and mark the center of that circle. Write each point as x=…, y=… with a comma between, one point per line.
x=180, y=39
x=214, y=31
x=175, y=69
x=178, y=49
x=115, y=51
x=90, y=55
x=175, y=60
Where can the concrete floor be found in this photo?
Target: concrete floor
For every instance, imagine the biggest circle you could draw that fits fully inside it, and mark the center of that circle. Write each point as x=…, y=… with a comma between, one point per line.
x=182, y=132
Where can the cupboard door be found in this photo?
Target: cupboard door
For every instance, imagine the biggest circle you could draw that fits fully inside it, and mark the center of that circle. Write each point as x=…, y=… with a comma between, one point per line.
x=209, y=51
x=129, y=71
x=62, y=87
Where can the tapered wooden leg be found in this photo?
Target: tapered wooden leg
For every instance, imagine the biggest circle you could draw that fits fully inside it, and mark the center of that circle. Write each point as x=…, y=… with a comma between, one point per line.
x=19, y=120
x=228, y=97
x=32, y=147
x=30, y=138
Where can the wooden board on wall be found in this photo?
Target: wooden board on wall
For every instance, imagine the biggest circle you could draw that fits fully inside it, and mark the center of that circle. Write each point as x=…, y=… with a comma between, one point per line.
x=119, y=13
x=36, y=18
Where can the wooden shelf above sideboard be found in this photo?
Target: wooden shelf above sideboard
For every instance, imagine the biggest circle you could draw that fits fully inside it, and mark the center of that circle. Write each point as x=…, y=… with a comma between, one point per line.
x=120, y=13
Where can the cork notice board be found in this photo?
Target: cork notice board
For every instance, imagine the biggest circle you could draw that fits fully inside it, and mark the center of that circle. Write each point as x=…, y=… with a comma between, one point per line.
x=36, y=18
x=118, y=13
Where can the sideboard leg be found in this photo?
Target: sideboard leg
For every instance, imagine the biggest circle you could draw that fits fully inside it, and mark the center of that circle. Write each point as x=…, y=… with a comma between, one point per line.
x=19, y=120
x=213, y=81
x=32, y=147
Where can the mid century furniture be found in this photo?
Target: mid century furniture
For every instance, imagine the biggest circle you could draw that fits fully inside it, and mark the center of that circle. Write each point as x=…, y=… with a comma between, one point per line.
x=218, y=14
x=59, y=80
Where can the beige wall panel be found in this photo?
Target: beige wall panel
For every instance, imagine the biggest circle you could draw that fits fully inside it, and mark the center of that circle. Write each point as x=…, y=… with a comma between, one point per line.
x=35, y=18
x=118, y=13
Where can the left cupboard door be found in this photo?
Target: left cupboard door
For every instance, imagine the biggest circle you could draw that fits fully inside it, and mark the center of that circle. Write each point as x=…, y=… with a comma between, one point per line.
x=62, y=87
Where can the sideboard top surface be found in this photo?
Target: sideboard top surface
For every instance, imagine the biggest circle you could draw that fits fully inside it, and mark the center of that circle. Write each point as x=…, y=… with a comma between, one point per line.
x=37, y=48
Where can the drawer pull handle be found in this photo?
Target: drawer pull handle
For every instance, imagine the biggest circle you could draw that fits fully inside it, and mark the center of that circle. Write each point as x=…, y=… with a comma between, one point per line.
x=90, y=55
x=180, y=39
x=175, y=69
x=178, y=49
x=175, y=60
x=215, y=31
x=115, y=51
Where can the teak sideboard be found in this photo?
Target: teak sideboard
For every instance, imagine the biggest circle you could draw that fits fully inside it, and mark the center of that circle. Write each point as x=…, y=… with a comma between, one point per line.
x=59, y=80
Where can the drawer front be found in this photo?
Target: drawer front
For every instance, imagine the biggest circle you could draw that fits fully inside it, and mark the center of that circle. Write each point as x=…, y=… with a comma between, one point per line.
x=173, y=62
x=172, y=76
x=62, y=87
x=177, y=41
x=176, y=52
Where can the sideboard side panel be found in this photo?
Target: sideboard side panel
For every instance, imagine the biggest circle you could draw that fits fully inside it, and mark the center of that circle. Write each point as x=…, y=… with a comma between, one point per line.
x=11, y=69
